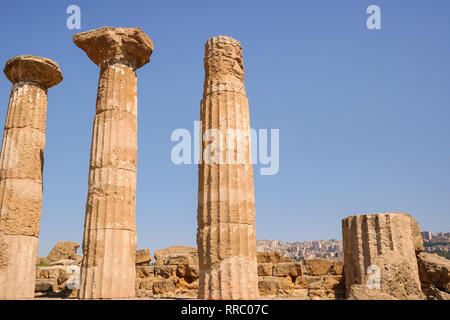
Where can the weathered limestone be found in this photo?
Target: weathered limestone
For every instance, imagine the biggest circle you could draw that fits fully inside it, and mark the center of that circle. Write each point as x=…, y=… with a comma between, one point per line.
x=284, y=269
x=226, y=234
x=21, y=166
x=143, y=257
x=271, y=257
x=320, y=266
x=63, y=250
x=165, y=256
x=109, y=243
x=434, y=274
x=178, y=278
x=387, y=241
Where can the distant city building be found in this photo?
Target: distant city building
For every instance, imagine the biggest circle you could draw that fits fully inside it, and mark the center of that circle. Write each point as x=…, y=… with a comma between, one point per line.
x=426, y=235
x=333, y=248
x=436, y=242
x=304, y=249
x=440, y=239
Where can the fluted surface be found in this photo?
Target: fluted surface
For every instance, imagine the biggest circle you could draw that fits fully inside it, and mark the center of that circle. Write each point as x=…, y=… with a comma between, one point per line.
x=386, y=241
x=109, y=242
x=21, y=165
x=17, y=266
x=226, y=235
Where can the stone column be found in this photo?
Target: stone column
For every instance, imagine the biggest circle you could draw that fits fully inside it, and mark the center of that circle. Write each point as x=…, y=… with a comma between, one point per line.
x=386, y=243
x=226, y=235
x=21, y=165
x=109, y=242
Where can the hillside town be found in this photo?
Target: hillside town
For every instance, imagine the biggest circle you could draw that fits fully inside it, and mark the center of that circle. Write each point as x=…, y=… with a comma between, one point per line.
x=304, y=249
x=434, y=242
x=299, y=250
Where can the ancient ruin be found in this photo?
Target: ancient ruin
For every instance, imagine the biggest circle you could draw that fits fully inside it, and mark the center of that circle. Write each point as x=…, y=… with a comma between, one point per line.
x=22, y=162
x=380, y=256
x=383, y=253
x=434, y=274
x=109, y=242
x=174, y=274
x=226, y=234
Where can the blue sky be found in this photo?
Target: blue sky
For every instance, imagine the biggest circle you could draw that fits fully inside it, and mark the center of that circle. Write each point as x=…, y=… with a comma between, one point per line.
x=363, y=114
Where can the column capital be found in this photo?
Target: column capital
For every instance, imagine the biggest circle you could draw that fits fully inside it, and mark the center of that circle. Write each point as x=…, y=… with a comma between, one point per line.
x=130, y=46
x=42, y=71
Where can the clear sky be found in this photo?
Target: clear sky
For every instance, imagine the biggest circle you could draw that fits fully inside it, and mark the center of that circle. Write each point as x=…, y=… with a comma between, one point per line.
x=363, y=114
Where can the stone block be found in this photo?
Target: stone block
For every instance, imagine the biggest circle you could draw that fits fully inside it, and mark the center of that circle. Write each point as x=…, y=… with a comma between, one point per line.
x=284, y=269
x=265, y=269
x=320, y=266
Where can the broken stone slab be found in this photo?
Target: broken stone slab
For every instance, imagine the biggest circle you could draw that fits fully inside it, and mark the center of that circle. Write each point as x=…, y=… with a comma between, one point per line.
x=265, y=269
x=143, y=257
x=326, y=294
x=186, y=294
x=63, y=250
x=434, y=293
x=187, y=271
x=362, y=292
x=283, y=283
x=286, y=259
x=181, y=283
x=300, y=294
x=163, y=286
x=179, y=249
x=147, y=283
x=51, y=272
x=283, y=269
x=46, y=285
x=320, y=266
x=271, y=257
x=166, y=271
x=177, y=259
x=180, y=259
x=434, y=270
x=267, y=287
x=65, y=262
x=320, y=282
x=144, y=293
x=145, y=271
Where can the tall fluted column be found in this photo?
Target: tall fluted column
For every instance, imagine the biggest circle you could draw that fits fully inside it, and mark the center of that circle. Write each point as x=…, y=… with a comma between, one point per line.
x=21, y=165
x=380, y=255
x=226, y=235
x=109, y=242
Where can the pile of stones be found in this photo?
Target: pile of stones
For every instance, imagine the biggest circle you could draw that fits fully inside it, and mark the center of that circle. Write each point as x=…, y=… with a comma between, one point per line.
x=174, y=273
